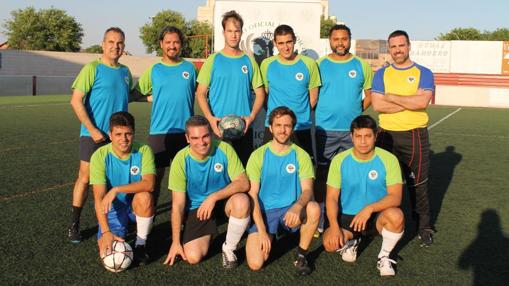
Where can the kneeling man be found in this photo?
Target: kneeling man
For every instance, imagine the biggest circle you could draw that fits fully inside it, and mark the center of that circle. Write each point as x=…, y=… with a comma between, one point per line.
x=366, y=180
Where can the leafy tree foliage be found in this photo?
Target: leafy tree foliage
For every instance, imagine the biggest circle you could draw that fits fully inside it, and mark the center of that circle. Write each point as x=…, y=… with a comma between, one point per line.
x=94, y=49
x=46, y=29
x=325, y=26
x=472, y=34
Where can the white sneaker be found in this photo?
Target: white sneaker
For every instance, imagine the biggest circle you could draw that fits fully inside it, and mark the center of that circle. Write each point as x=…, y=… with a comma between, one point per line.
x=229, y=258
x=384, y=264
x=349, y=250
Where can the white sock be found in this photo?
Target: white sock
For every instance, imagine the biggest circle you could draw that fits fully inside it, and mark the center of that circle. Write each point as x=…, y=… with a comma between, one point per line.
x=236, y=228
x=143, y=225
x=389, y=241
x=321, y=223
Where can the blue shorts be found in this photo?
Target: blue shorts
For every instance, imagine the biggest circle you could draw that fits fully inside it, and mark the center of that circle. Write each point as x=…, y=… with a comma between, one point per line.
x=119, y=216
x=274, y=221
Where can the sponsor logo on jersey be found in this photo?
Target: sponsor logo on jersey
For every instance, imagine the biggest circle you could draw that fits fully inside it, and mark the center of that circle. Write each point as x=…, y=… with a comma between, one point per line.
x=290, y=168
x=218, y=167
x=244, y=69
x=411, y=79
x=373, y=174
x=135, y=170
x=185, y=75
x=299, y=76
x=352, y=73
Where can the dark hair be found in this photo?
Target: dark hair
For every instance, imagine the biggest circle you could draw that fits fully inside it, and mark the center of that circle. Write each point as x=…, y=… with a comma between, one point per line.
x=364, y=121
x=284, y=30
x=114, y=29
x=340, y=27
x=171, y=30
x=197, y=120
x=281, y=111
x=232, y=15
x=398, y=33
x=122, y=118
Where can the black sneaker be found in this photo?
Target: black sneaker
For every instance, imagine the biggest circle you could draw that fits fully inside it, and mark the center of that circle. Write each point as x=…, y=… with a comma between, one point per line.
x=74, y=233
x=229, y=258
x=301, y=265
x=426, y=237
x=141, y=255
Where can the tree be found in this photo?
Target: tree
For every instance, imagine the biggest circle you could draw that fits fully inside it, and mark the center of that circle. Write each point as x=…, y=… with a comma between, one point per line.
x=94, y=49
x=149, y=33
x=325, y=26
x=46, y=29
x=195, y=44
x=500, y=34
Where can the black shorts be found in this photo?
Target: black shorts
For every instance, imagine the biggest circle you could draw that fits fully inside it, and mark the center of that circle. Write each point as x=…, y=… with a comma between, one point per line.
x=88, y=147
x=300, y=137
x=345, y=221
x=165, y=147
x=195, y=228
x=244, y=146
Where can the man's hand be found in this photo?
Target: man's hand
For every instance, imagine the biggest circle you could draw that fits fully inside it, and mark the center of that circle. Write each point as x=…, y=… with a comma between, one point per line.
x=97, y=135
x=205, y=210
x=359, y=221
x=292, y=216
x=265, y=242
x=105, y=243
x=248, y=120
x=108, y=199
x=214, y=121
x=335, y=238
x=176, y=249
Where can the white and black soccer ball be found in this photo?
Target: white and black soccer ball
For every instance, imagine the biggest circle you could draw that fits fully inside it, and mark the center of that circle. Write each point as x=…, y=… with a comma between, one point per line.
x=119, y=258
x=232, y=127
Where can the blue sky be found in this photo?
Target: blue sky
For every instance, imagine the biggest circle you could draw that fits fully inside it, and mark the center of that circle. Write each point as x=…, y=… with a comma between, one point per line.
x=423, y=20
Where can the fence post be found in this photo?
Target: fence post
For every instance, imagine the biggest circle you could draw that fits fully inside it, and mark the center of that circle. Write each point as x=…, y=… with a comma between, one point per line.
x=34, y=85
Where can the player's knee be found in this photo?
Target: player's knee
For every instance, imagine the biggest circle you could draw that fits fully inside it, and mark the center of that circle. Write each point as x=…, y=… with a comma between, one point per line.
x=240, y=205
x=143, y=203
x=395, y=217
x=193, y=257
x=313, y=211
x=83, y=176
x=255, y=264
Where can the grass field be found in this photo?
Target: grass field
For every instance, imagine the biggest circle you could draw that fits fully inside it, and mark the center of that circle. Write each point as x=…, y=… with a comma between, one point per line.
x=39, y=160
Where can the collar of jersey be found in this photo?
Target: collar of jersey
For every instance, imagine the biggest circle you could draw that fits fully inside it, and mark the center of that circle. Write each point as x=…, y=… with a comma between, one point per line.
x=363, y=161
x=403, y=69
x=340, y=61
x=233, y=57
x=170, y=65
x=213, y=149
x=282, y=154
x=110, y=149
x=99, y=60
x=295, y=60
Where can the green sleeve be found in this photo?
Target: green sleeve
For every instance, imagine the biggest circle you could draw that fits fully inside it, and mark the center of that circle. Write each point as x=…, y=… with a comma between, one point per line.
x=144, y=85
x=368, y=74
x=131, y=82
x=314, y=74
x=257, y=80
x=306, y=169
x=392, y=167
x=204, y=77
x=263, y=70
x=255, y=163
x=235, y=167
x=147, y=161
x=98, y=166
x=334, y=176
x=177, y=177
x=85, y=79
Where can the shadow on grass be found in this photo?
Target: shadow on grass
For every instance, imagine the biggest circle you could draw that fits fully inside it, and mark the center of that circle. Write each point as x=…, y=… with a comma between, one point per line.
x=488, y=254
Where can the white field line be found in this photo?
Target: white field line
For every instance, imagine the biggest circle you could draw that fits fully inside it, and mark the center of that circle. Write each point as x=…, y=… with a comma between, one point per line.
x=443, y=119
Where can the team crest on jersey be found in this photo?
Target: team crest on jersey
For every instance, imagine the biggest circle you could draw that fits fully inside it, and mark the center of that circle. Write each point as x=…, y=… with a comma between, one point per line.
x=290, y=168
x=411, y=79
x=373, y=174
x=352, y=73
x=218, y=167
x=135, y=170
x=244, y=69
x=126, y=79
x=299, y=76
x=185, y=75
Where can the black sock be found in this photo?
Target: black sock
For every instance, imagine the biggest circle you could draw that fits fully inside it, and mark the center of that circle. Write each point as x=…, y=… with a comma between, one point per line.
x=76, y=213
x=302, y=252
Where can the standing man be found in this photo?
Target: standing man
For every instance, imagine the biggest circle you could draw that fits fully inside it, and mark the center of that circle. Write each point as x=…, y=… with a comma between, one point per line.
x=101, y=88
x=345, y=78
x=122, y=178
x=171, y=83
x=229, y=76
x=281, y=175
x=401, y=94
x=366, y=182
x=206, y=177
x=291, y=80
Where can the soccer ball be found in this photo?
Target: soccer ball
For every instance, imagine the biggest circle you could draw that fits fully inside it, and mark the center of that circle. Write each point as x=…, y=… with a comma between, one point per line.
x=120, y=257
x=232, y=127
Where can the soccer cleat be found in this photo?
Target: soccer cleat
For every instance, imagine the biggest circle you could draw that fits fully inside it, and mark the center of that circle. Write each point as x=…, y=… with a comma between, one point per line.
x=141, y=255
x=229, y=258
x=384, y=264
x=349, y=250
x=74, y=233
x=301, y=265
x=426, y=237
